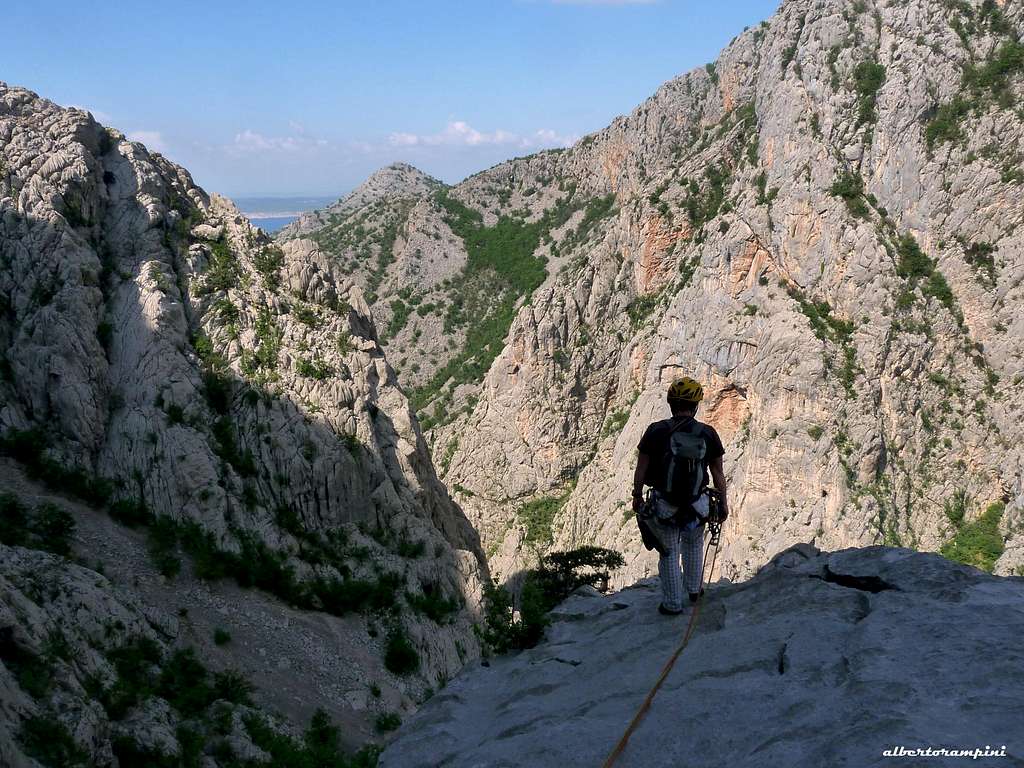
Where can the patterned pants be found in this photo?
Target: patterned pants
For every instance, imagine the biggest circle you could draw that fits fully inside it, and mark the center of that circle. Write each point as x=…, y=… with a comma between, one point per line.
x=689, y=544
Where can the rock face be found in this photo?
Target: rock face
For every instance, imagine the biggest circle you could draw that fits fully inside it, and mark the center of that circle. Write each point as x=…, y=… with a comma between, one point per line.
x=167, y=360
x=820, y=659
x=824, y=226
x=391, y=237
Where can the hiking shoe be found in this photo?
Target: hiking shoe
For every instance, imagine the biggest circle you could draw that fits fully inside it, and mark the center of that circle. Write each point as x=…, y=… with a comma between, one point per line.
x=695, y=595
x=668, y=611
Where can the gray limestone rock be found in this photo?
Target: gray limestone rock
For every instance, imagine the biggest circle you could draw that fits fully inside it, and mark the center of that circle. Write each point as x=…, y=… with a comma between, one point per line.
x=791, y=226
x=819, y=659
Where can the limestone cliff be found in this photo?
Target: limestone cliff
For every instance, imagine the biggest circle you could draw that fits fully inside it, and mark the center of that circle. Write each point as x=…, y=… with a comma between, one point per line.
x=823, y=226
x=164, y=360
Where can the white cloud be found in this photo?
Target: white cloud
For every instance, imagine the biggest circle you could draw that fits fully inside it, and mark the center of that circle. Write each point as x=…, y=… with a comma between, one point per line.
x=250, y=142
x=153, y=140
x=404, y=139
x=459, y=133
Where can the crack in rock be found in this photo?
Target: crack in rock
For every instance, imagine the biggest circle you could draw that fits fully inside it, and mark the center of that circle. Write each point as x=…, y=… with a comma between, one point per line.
x=873, y=584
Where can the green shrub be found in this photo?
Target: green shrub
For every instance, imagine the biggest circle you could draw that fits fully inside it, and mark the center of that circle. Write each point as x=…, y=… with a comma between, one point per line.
x=982, y=260
x=313, y=369
x=345, y=345
x=136, y=662
x=226, y=311
x=47, y=527
x=410, y=549
x=104, y=334
x=399, y=317
x=342, y=596
x=560, y=573
x=542, y=589
x=945, y=126
x=131, y=754
x=175, y=414
x=130, y=512
x=829, y=328
x=400, y=657
x=850, y=187
x=262, y=360
x=221, y=636
x=225, y=446
x=433, y=604
x=615, y=421
x=765, y=196
x=702, y=205
x=825, y=325
x=920, y=271
x=306, y=315
x=184, y=682
x=223, y=271
x=33, y=673
x=991, y=80
x=538, y=516
x=868, y=77
x=500, y=631
x=216, y=374
x=788, y=53
x=319, y=747
x=993, y=77
x=815, y=432
x=956, y=507
x=47, y=740
x=231, y=685
x=640, y=309
x=387, y=721
x=978, y=543
x=268, y=262
x=29, y=447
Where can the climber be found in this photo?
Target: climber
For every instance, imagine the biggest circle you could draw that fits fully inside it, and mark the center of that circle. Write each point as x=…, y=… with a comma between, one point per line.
x=676, y=457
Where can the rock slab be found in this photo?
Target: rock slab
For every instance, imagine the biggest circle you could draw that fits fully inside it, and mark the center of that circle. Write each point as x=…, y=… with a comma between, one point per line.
x=823, y=659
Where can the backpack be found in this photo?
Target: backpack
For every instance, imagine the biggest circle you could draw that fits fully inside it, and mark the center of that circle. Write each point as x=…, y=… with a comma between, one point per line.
x=684, y=463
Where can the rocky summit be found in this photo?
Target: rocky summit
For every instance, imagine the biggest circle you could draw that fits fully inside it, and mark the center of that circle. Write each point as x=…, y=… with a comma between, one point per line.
x=823, y=659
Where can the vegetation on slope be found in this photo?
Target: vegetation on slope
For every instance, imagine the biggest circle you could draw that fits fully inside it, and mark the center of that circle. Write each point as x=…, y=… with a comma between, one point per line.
x=510, y=625
x=978, y=543
x=501, y=269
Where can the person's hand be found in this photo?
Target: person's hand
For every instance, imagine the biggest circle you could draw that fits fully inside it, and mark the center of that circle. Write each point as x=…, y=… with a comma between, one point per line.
x=723, y=512
x=638, y=503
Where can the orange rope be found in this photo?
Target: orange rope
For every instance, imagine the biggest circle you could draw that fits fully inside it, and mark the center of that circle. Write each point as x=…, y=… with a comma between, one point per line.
x=615, y=753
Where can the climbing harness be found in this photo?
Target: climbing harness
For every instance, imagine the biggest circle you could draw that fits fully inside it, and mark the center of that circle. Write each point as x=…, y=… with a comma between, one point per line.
x=714, y=523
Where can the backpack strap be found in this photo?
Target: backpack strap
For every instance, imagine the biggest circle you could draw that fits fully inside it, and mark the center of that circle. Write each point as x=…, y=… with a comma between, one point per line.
x=682, y=423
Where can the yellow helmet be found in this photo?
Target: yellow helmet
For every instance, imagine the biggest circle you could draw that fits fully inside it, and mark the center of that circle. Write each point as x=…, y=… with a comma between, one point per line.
x=686, y=389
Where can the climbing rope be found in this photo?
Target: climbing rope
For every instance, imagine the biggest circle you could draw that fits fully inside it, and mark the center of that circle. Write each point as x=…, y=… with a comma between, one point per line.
x=715, y=528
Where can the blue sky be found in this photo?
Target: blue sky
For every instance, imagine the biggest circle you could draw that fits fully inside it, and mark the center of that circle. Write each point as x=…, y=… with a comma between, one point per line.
x=308, y=98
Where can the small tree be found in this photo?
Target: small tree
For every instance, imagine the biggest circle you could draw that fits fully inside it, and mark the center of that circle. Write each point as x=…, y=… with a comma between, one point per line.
x=544, y=587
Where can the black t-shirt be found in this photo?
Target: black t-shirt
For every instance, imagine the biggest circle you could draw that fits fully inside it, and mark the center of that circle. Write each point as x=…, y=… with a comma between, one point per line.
x=654, y=443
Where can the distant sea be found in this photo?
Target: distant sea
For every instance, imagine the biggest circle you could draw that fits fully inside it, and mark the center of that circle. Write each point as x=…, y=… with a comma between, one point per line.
x=272, y=213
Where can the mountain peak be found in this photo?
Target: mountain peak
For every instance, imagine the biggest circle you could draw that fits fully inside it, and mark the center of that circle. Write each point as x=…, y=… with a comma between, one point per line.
x=396, y=181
